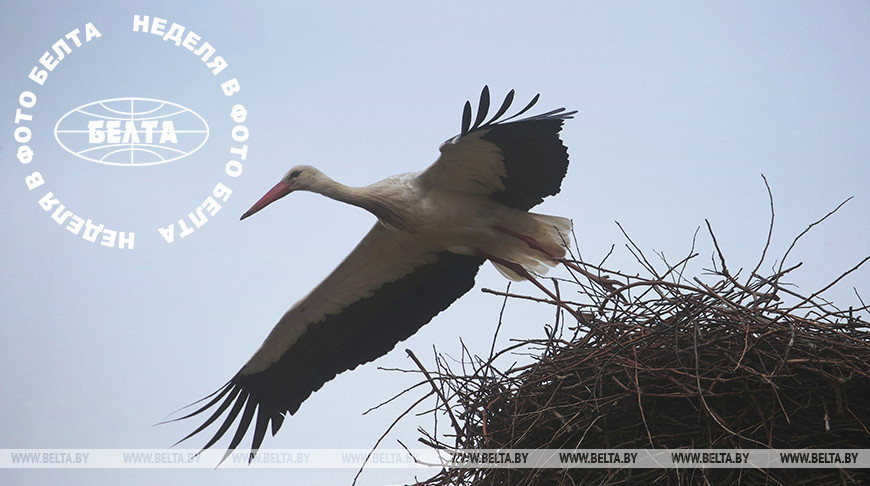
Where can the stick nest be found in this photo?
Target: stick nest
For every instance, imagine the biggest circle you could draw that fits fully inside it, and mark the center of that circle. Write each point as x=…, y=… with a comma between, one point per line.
x=665, y=361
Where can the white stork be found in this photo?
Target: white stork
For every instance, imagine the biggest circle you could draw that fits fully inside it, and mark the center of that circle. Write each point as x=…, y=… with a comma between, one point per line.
x=434, y=230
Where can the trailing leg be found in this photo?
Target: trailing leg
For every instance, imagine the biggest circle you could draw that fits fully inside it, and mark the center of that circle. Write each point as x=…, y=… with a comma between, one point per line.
x=519, y=270
x=535, y=245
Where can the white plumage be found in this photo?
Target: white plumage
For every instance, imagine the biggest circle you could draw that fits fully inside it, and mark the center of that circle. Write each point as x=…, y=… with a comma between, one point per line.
x=434, y=229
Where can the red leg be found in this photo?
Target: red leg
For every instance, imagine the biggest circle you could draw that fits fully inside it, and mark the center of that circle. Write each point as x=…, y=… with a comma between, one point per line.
x=519, y=270
x=533, y=244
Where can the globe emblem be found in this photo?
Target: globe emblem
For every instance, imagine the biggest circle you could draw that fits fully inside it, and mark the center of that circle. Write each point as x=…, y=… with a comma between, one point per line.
x=131, y=131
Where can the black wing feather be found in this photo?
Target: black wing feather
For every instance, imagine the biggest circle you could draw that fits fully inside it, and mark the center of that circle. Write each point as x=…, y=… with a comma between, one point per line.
x=231, y=417
x=535, y=159
x=531, y=104
x=362, y=332
x=504, y=107
x=259, y=432
x=244, y=423
x=482, y=107
x=466, y=118
x=220, y=392
x=228, y=388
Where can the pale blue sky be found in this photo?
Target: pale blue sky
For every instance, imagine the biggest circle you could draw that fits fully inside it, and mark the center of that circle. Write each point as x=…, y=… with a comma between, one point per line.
x=682, y=107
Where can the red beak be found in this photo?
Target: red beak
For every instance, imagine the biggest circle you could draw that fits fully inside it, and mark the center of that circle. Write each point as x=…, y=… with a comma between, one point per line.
x=280, y=190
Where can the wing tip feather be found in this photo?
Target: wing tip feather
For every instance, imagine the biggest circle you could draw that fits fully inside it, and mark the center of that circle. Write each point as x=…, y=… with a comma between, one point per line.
x=483, y=109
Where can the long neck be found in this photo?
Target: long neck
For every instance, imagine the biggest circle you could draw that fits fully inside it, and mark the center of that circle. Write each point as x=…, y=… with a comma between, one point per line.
x=334, y=190
x=369, y=198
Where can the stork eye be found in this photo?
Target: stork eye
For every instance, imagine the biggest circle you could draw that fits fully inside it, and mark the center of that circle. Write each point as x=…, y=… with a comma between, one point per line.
x=294, y=174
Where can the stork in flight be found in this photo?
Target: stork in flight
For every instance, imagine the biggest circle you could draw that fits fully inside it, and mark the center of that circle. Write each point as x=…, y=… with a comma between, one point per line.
x=434, y=230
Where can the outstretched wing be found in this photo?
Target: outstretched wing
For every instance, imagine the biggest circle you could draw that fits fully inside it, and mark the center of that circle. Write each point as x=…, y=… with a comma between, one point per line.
x=382, y=293
x=517, y=162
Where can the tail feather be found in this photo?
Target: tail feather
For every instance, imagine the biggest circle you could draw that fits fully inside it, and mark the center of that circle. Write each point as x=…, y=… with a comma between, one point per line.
x=555, y=233
x=507, y=273
x=552, y=233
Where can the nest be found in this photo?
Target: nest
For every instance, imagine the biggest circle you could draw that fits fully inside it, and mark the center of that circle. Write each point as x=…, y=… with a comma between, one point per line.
x=665, y=361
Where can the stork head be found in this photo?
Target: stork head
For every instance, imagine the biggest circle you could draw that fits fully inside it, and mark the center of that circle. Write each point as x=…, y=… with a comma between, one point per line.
x=299, y=178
